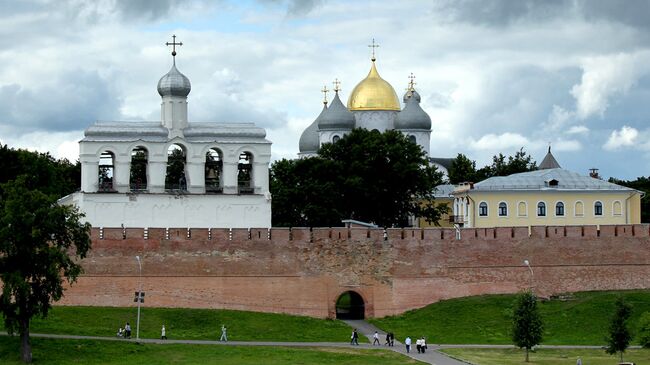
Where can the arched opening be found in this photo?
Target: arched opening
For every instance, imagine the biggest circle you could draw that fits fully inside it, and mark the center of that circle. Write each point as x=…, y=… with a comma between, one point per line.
x=213, y=169
x=138, y=174
x=175, y=179
x=412, y=139
x=106, y=172
x=245, y=174
x=350, y=305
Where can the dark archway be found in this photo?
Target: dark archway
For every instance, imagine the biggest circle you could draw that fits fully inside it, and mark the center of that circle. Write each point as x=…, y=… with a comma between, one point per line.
x=350, y=305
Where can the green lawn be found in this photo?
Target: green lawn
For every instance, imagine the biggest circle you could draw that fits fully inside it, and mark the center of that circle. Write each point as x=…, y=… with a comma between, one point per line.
x=204, y=324
x=485, y=319
x=546, y=356
x=55, y=352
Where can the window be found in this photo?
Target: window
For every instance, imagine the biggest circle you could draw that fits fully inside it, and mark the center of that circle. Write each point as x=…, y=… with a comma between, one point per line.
x=580, y=209
x=616, y=208
x=559, y=209
x=106, y=172
x=213, y=170
x=541, y=209
x=175, y=178
x=245, y=174
x=412, y=138
x=598, y=208
x=483, y=209
x=138, y=173
x=335, y=139
x=522, y=209
x=503, y=209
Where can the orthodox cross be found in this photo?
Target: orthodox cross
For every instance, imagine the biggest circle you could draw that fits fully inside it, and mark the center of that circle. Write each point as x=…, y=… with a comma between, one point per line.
x=411, y=82
x=174, y=44
x=337, y=85
x=324, y=91
x=373, y=46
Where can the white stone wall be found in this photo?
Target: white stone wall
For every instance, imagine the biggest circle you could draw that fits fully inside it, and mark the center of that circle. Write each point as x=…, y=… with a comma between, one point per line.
x=381, y=120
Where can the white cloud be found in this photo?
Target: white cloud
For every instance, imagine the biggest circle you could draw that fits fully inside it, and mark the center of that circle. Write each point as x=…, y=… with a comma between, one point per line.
x=567, y=145
x=502, y=141
x=578, y=129
x=625, y=137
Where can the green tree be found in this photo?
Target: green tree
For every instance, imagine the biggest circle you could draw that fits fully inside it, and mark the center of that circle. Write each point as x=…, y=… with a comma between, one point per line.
x=366, y=175
x=40, y=244
x=138, y=173
x=175, y=169
x=462, y=169
x=644, y=330
x=527, y=326
x=619, y=336
x=520, y=162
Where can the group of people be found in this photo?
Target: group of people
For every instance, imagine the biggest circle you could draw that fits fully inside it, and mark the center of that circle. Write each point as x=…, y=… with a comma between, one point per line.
x=420, y=345
x=124, y=332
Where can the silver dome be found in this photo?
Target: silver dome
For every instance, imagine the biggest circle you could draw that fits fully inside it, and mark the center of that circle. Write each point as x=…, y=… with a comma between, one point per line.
x=174, y=83
x=413, y=116
x=410, y=93
x=309, y=141
x=336, y=117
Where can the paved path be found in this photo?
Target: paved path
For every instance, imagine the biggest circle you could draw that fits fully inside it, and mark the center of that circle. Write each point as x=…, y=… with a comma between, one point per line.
x=432, y=356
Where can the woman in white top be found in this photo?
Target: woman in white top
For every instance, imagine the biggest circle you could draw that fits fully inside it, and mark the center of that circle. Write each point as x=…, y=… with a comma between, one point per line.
x=418, y=345
x=423, y=344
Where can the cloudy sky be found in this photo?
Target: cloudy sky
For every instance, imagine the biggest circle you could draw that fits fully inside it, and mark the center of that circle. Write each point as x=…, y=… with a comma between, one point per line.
x=494, y=76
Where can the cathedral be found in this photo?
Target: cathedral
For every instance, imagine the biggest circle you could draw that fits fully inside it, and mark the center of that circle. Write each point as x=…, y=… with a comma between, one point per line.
x=373, y=105
x=173, y=173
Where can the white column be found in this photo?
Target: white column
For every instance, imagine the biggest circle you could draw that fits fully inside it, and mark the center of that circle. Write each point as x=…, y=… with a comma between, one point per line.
x=173, y=112
x=229, y=177
x=195, y=177
x=89, y=176
x=157, y=169
x=260, y=177
x=121, y=174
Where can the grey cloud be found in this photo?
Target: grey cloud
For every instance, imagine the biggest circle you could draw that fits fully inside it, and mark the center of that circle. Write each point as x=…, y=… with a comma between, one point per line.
x=297, y=7
x=72, y=103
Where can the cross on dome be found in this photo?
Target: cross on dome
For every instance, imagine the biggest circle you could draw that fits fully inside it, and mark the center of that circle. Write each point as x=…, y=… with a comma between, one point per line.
x=411, y=82
x=373, y=46
x=173, y=43
x=337, y=85
x=324, y=91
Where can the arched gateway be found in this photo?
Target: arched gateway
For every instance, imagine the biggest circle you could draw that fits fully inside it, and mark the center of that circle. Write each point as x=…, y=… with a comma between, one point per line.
x=350, y=305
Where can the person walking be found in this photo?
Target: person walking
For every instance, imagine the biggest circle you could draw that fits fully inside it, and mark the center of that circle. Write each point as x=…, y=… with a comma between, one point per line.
x=224, y=336
x=163, y=334
x=127, y=330
x=387, y=339
x=418, y=345
x=579, y=361
x=392, y=339
x=423, y=344
x=354, y=340
x=376, y=339
x=407, y=342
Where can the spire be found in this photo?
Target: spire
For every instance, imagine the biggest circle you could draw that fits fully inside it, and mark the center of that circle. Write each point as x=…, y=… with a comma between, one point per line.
x=549, y=162
x=373, y=46
x=174, y=44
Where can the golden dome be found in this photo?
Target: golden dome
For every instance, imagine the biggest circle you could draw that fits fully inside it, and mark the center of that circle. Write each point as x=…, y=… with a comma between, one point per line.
x=373, y=93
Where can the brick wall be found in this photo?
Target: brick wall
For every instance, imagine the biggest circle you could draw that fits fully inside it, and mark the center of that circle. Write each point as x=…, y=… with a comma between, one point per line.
x=303, y=271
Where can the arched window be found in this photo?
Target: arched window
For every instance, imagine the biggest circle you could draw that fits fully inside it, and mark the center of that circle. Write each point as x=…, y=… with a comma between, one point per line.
x=245, y=174
x=138, y=173
x=412, y=138
x=559, y=209
x=617, y=208
x=579, y=209
x=503, y=209
x=541, y=209
x=213, y=170
x=106, y=172
x=522, y=209
x=483, y=209
x=176, y=180
x=335, y=139
x=598, y=208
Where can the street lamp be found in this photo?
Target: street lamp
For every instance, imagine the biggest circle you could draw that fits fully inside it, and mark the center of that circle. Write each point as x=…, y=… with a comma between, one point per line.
x=527, y=263
x=139, y=297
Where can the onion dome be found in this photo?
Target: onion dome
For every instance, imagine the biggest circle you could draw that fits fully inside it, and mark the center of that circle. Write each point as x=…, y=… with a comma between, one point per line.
x=413, y=116
x=174, y=83
x=411, y=93
x=373, y=93
x=337, y=117
x=309, y=141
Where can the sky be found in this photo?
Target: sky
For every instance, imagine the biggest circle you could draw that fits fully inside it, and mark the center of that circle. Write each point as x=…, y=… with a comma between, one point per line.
x=495, y=76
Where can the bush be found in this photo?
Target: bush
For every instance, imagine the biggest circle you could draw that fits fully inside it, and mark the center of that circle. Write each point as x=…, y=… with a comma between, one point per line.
x=644, y=330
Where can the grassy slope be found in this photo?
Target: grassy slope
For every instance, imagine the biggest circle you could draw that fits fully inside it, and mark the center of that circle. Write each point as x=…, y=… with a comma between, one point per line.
x=546, y=356
x=192, y=324
x=55, y=352
x=485, y=319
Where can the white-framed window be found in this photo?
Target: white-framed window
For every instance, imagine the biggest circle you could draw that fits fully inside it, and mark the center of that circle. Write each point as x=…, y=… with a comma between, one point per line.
x=579, y=209
x=503, y=209
x=335, y=139
x=541, y=209
x=559, y=209
x=522, y=209
x=483, y=209
x=617, y=208
x=598, y=208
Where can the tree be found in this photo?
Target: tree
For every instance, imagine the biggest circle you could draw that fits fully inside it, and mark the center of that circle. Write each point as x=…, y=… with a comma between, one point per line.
x=520, y=162
x=527, y=326
x=175, y=169
x=619, y=335
x=367, y=175
x=462, y=169
x=644, y=330
x=40, y=243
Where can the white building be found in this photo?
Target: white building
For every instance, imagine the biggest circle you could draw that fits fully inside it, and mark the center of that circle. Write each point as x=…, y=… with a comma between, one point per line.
x=172, y=173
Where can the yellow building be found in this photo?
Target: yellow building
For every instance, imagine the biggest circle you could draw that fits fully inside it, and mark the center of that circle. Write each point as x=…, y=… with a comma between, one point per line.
x=549, y=196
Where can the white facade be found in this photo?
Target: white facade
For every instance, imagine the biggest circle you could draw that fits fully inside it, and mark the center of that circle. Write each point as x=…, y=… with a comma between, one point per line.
x=224, y=173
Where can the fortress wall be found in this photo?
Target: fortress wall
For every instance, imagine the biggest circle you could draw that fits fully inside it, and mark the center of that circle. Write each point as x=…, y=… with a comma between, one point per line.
x=303, y=270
